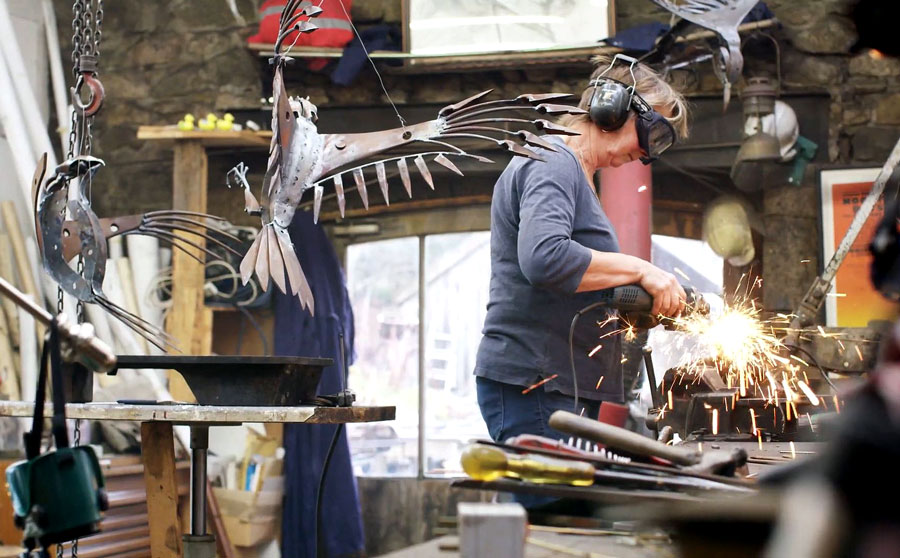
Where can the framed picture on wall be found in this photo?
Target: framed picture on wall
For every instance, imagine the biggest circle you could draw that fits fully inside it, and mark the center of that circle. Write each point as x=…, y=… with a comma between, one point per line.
x=852, y=300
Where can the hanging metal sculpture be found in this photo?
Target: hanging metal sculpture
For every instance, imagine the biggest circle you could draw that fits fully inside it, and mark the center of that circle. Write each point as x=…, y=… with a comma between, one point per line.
x=84, y=235
x=301, y=159
x=722, y=17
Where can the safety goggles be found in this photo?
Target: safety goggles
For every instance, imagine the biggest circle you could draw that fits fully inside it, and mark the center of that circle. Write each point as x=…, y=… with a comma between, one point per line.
x=655, y=133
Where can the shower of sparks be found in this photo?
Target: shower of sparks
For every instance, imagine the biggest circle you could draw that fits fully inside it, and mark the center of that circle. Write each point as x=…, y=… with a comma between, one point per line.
x=753, y=421
x=805, y=261
x=793, y=452
x=594, y=350
x=740, y=345
x=836, y=294
x=671, y=403
x=808, y=392
x=539, y=384
x=837, y=404
x=858, y=352
x=600, y=381
x=715, y=421
x=643, y=188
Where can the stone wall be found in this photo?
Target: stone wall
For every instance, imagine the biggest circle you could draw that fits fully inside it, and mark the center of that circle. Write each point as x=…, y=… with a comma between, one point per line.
x=163, y=59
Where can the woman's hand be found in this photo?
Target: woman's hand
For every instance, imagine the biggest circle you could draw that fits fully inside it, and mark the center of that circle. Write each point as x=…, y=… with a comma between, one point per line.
x=668, y=296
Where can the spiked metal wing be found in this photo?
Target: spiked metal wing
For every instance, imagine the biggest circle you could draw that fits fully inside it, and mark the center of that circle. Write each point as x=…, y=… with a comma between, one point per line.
x=301, y=159
x=722, y=17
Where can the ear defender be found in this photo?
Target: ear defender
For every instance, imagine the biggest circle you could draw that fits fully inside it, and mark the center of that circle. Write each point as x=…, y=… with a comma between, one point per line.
x=610, y=104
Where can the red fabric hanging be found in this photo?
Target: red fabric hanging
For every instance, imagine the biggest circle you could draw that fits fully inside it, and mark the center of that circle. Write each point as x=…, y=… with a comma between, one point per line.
x=334, y=29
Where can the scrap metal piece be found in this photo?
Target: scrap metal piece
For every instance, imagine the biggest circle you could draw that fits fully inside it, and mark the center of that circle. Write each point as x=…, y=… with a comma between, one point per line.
x=339, y=190
x=361, y=186
x=722, y=17
x=441, y=160
x=423, y=169
x=382, y=181
x=404, y=175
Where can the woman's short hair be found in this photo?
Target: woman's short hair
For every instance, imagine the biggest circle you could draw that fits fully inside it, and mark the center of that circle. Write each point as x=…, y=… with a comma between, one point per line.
x=648, y=84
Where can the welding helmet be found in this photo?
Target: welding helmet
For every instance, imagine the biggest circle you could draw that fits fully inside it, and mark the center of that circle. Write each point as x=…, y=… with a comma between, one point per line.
x=613, y=101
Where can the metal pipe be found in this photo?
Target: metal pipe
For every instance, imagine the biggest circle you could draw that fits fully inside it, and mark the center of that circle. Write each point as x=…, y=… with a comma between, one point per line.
x=422, y=379
x=199, y=451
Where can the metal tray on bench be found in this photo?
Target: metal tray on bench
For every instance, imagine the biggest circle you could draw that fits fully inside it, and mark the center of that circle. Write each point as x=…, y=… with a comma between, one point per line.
x=254, y=381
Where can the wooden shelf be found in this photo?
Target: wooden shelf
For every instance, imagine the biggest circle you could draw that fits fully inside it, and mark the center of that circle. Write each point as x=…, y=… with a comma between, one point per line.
x=212, y=138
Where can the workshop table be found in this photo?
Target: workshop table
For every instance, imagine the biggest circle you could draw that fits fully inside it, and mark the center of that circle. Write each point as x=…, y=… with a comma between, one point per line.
x=158, y=450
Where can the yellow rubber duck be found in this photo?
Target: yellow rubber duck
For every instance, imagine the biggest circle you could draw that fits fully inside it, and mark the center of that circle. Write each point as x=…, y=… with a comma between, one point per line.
x=186, y=123
x=208, y=123
x=226, y=122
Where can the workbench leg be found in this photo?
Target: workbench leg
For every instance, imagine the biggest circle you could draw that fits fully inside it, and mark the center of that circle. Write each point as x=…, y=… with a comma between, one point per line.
x=158, y=453
x=189, y=321
x=198, y=544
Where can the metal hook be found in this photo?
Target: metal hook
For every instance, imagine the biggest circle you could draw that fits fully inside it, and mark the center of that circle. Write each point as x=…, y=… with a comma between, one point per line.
x=95, y=102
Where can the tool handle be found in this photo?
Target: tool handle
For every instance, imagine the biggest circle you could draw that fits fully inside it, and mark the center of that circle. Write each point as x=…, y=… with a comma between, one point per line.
x=486, y=463
x=80, y=344
x=619, y=438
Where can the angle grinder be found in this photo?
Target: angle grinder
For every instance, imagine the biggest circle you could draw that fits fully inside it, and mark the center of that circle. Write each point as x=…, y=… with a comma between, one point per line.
x=634, y=305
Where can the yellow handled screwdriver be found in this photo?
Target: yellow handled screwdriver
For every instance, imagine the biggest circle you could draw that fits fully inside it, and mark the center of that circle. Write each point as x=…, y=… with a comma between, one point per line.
x=485, y=463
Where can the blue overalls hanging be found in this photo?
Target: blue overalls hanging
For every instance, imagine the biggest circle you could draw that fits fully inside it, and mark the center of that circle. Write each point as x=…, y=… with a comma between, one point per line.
x=299, y=334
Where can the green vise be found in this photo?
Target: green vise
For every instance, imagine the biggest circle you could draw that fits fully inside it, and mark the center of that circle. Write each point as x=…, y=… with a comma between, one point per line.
x=57, y=496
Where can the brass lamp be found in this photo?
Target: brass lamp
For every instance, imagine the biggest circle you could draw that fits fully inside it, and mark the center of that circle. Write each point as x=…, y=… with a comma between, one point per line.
x=760, y=148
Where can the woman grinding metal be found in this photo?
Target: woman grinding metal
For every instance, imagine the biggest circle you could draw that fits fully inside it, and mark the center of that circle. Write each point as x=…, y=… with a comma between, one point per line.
x=553, y=248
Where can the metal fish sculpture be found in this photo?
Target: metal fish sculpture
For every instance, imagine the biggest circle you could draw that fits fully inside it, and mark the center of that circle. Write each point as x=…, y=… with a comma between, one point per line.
x=59, y=240
x=301, y=159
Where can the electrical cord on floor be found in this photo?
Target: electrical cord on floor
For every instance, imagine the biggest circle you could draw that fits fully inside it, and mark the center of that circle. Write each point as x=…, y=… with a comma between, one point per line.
x=577, y=315
x=320, y=550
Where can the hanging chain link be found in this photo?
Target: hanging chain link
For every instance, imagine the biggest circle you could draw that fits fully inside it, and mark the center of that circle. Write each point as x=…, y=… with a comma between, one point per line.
x=87, y=17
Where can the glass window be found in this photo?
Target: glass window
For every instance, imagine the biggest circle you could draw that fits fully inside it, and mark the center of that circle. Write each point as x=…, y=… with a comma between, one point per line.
x=467, y=26
x=458, y=270
x=382, y=280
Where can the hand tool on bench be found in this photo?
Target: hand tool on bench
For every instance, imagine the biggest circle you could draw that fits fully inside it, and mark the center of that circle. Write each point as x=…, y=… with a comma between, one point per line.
x=716, y=462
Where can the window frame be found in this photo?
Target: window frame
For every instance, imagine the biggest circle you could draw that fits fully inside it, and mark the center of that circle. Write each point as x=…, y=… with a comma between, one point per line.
x=418, y=224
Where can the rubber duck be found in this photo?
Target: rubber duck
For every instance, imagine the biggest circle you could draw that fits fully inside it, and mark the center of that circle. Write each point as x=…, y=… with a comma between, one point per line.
x=226, y=122
x=186, y=123
x=208, y=123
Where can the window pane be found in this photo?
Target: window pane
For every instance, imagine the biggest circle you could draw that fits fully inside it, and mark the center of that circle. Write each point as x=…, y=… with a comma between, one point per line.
x=455, y=26
x=382, y=279
x=458, y=273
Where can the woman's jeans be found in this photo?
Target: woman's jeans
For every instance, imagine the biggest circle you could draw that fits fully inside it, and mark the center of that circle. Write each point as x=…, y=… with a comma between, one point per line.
x=508, y=412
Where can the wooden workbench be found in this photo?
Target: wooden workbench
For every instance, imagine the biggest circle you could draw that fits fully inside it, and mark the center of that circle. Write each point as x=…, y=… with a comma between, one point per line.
x=555, y=545
x=158, y=445
x=189, y=320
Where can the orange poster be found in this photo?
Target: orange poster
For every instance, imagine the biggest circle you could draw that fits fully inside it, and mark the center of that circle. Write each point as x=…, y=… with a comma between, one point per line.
x=852, y=300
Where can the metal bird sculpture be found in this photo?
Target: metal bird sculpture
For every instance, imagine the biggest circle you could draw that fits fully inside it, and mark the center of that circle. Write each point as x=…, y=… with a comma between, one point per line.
x=722, y=17
x=301, y=159
x=60, y=240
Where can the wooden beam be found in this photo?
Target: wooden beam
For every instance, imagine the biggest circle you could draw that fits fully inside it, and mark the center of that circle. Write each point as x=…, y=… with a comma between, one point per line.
x=158, y=450
x=189, y=321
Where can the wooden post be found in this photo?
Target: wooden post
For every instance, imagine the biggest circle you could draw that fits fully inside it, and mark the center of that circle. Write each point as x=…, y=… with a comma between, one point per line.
x=158, y=452
x=189, y=321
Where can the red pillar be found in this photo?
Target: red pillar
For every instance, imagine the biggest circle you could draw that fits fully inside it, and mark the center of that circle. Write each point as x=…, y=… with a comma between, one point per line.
x=626, y=194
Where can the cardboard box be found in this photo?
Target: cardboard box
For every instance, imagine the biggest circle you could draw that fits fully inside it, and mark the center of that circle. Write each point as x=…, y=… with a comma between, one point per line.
x=245, y=505
x=250, y=532
x=250, y=517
